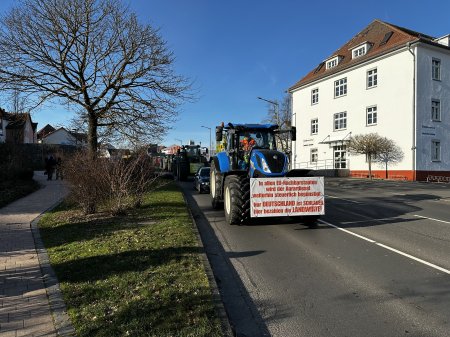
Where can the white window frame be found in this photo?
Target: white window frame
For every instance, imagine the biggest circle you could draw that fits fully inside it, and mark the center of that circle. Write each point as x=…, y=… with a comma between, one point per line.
x=435, y=110
x=314, y=96
x=314, y=126
x=340, y=121
x=436, y=69
x=314, y=155
x=435, y=150
x=372, y=78
x=371, y=115
x=340, y=87
x=332, y=62
x=360, y=51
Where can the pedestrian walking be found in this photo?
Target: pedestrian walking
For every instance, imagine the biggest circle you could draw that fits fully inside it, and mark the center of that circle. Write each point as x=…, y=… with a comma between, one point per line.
x=50, y=164
x=59, y=171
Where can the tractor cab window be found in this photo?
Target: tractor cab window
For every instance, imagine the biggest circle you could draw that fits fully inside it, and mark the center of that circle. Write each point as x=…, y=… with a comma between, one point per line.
x=256, y=139
x=192, y=152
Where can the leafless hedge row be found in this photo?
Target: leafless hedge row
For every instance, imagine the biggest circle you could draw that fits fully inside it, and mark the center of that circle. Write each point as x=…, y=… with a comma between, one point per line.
x=117, y=184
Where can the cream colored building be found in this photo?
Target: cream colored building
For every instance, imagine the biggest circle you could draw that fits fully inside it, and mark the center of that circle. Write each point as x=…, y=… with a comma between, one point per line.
x=387, y=80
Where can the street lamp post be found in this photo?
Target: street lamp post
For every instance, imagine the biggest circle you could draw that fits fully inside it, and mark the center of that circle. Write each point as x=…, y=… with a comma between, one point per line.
x=210, y=144
x=276, y=108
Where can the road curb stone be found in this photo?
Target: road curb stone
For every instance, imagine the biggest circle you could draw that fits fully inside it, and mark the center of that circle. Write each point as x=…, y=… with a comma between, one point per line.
x=225, y=323
x=58, y=308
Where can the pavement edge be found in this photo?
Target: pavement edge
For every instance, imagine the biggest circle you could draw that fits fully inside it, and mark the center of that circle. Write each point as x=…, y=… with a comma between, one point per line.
x=217, y=300
x=58, y=308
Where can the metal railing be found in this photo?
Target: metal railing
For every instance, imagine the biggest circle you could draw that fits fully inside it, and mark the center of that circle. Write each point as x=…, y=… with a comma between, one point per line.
x=325, y=164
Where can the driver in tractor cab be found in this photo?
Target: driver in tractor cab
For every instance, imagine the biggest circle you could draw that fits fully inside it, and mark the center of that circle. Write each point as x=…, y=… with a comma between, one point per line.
x=246, y=145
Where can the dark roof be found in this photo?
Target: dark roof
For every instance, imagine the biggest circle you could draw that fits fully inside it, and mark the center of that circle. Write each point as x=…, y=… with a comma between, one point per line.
x=79, y=136
x=16, y=120
x=45, y=131
x=383, y=38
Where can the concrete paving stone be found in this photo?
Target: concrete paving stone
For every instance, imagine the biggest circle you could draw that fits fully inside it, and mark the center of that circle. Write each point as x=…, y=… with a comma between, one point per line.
x=4, y=317
x=19, y=315
x=8, y=326
x=42, y=331
x=37, y=320
x=8, y=333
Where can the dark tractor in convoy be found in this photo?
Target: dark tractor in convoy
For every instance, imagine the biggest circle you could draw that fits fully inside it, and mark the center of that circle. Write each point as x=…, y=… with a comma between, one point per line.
x=187, y=161
x=246, y=151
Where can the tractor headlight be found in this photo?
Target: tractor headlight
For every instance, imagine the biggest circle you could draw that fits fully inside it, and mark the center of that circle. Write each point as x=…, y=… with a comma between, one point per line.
x=264, y=166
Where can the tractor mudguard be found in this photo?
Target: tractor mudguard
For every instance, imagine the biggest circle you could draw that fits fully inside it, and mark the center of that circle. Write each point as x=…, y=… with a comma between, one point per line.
x=222, y=162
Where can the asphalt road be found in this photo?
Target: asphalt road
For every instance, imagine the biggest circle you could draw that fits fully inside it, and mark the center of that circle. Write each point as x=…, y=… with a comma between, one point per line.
x=377, y=265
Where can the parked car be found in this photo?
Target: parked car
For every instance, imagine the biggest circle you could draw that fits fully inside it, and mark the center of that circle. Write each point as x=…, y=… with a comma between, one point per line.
x=201, y=180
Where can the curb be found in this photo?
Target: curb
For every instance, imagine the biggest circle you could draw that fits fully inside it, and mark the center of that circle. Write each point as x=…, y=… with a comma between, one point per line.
x=58, y=308
x=217, y=300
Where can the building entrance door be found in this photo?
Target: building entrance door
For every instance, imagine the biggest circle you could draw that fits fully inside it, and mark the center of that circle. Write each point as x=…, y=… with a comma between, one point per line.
x=339, y=157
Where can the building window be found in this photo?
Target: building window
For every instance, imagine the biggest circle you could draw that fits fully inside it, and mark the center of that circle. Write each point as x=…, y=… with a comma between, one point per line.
x=340, y=87
x=314, y=126
x=371, y=113
x=435, y=150
x=314, y=96
x=359, y=51
x=314, y=156
x=372, y=78
x=436, y=110
x=436, y=69
x=332, y=63
x=340, y=121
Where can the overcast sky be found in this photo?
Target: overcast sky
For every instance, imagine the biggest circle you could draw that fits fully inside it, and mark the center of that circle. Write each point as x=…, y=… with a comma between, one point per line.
x=236, y=50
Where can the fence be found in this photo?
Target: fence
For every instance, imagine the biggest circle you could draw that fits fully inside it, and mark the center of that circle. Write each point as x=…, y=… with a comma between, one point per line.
x=325, y=164
x=30, y=155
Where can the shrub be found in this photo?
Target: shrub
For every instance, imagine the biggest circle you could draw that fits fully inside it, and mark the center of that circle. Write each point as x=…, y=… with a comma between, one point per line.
x=117, y=184
x=86, y=180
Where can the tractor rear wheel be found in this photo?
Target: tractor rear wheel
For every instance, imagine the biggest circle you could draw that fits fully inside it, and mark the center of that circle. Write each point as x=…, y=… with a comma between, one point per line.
x=237, y=199
x=215, y=187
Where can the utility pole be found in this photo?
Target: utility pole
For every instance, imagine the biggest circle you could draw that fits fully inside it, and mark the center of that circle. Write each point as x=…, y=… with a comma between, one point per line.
x=210, y=144
x=277, y=108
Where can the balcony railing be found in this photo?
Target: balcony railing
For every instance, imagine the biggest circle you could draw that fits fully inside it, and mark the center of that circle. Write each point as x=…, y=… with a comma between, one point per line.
x=326, y=164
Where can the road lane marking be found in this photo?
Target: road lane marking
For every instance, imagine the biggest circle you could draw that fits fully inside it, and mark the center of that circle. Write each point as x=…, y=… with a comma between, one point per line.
x=429, y=264
x=424, y=217
x=333, y=197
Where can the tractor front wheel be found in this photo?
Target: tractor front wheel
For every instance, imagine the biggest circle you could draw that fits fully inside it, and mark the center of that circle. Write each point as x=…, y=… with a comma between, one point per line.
x=215, y=187
x=236, y=199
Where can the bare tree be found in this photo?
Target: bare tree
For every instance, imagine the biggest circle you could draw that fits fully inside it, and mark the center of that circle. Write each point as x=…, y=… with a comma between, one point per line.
x=371, y=145
x=95, y=56
x=391, y=154
x=281, y=115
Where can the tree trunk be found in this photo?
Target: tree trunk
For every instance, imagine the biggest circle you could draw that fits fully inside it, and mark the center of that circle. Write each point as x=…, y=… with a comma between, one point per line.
x=92, y=135
x=370, y=167
x=386, y=171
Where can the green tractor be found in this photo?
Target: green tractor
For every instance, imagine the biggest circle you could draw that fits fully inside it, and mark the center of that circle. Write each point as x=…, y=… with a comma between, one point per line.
x=187, y=161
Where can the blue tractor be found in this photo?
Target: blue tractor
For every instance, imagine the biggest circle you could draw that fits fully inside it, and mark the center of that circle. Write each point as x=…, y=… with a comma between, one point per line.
x=246, y=151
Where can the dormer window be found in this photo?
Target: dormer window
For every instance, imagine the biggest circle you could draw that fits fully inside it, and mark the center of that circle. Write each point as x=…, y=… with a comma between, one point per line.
x=360, y=50
x=333, y=62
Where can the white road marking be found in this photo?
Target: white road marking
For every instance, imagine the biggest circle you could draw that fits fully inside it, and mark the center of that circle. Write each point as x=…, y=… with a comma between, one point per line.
x=333, y=197
x=387, y=247
x=424, y=217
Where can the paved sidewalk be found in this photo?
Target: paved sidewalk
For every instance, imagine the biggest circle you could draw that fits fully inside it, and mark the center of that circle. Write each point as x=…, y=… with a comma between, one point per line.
x=24, y=303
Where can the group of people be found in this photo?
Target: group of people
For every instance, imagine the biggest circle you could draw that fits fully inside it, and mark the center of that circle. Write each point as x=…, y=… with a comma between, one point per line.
x=52, y=165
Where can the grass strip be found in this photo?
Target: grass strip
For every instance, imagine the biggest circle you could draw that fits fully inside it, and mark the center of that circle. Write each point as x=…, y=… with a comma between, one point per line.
x=134, y=275
x=11, y=190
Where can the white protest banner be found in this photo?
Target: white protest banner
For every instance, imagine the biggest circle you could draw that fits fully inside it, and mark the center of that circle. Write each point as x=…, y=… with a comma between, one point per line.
x=287, y=196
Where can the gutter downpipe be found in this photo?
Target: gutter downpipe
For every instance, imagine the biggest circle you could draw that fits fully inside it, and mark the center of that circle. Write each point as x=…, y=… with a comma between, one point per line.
x=413, y=148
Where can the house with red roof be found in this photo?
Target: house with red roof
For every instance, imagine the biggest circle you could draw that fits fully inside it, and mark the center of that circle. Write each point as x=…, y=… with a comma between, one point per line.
x=388, y=80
